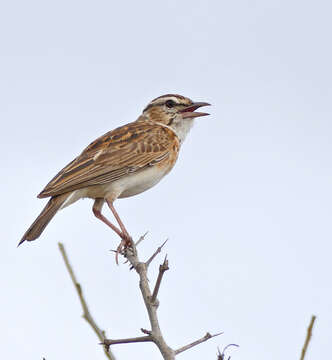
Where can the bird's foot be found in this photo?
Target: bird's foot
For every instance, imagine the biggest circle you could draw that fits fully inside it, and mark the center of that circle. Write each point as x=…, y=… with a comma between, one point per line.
x=124, y=244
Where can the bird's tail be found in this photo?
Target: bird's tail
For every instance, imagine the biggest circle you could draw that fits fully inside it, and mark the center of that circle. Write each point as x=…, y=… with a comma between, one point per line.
x=44, y=218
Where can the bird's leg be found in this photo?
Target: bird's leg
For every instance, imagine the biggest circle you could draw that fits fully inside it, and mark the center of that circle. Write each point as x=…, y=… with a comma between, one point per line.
x=119, y=221
x=126, y=238
x=97, y=206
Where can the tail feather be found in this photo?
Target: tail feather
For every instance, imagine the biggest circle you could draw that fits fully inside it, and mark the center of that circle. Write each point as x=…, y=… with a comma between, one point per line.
x=44, y=218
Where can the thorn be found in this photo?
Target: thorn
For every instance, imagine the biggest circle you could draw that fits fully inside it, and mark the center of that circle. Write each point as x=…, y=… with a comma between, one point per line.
x=155, y=253
x=142, y=237
x=144, y=331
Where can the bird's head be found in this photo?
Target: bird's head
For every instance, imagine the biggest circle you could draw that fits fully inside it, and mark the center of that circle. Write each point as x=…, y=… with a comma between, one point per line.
x=175, y=111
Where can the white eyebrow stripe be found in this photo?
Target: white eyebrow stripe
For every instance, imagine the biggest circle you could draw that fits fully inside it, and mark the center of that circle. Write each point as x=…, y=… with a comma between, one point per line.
x=163, y=100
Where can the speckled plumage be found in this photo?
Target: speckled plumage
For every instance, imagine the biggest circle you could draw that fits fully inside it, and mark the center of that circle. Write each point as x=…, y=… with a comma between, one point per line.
x=123, y=162
x=122, y=152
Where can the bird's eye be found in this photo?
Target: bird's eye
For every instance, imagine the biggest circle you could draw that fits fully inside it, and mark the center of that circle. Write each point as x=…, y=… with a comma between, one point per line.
x=170, y=103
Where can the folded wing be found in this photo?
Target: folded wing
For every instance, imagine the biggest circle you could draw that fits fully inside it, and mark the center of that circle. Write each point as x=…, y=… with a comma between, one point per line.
x=125, y=150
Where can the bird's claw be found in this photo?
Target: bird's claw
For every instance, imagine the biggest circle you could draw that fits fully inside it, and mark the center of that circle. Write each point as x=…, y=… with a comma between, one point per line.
x=124, y=244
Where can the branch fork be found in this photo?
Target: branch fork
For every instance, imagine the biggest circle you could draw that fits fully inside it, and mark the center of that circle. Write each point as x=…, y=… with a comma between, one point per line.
x=150, y=300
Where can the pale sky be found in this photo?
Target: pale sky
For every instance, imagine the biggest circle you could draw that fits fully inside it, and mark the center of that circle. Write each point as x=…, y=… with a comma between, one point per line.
x=247, y=208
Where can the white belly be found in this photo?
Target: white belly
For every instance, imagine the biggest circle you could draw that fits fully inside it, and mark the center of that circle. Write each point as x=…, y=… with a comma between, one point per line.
x=130, y=185
x=137, y=183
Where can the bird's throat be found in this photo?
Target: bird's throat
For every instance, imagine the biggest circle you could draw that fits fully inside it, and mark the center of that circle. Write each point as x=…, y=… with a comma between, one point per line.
x=182, y=128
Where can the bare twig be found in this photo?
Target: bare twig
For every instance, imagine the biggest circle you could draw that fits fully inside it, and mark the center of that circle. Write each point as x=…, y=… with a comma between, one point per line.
x=141, y=238
x=155, y=253
x=162, y=268
x=155, y=333
x=109, y=342
x=86, y=313
x=308, y=337
x=206, y=337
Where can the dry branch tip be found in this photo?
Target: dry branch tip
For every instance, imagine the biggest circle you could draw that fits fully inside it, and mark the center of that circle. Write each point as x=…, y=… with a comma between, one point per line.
x=142, y=237
x=148, y=262
x=162, y=268
x=308, y=337
x=206, y=337
x=86, y=312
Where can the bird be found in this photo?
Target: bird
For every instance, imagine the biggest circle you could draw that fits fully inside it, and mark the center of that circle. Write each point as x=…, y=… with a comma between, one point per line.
x=121, y=163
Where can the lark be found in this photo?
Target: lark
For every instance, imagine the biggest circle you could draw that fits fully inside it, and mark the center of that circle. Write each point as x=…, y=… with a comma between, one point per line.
x=122, y=163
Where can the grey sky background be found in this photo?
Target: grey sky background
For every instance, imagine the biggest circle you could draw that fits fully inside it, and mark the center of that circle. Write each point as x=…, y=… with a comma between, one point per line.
x=247, y=208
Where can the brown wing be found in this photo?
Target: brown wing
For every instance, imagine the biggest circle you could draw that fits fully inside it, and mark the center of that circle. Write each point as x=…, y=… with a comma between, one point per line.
x=127, y=149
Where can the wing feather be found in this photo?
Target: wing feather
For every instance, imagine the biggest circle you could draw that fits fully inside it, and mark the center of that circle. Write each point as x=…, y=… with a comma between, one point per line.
x=125, y=150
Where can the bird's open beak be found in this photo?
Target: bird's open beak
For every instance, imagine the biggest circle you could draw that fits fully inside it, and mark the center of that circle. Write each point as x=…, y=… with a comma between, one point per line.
x=189, y=111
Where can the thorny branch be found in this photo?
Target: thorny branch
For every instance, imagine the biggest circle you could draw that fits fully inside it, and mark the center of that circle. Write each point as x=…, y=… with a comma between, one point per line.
x=109, y=342
x=142, y=237
x=206, y=337
x=151, y=303
x=86, y=313
x=162, y=268
x=150, y=300
x=156, y=253
x=308, y=337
